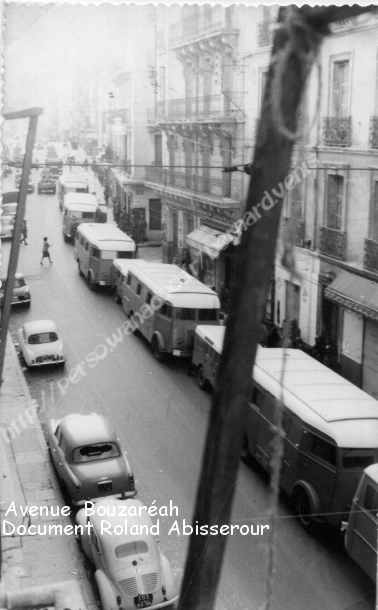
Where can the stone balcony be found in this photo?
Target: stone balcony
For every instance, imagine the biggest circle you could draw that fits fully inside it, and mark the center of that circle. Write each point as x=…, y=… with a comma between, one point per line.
x=333, y=243
x=371, y=255
x=337, y=131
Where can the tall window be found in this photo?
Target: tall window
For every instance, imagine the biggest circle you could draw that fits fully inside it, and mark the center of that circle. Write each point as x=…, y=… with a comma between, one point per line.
x=262, y=83
x=158, y=145
x=339, y=91
x=297, y=201
x=334, y=211
x=374, y=215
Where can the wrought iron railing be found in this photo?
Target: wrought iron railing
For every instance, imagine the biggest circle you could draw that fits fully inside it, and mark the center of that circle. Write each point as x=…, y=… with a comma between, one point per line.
x=337, y=131
x=194, y=28
x=219, y=186
x=371, y=255
x=373, y=139
x=227, y=105
x=332, y=243
x=264, y=33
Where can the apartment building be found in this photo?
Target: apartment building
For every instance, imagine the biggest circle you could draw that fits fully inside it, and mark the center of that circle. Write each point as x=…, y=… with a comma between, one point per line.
x=127, y=102
x=334, y=209
x=199, y=127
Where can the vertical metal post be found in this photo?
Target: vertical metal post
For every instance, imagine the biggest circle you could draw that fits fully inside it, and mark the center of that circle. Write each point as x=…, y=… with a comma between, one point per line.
x=32, y=114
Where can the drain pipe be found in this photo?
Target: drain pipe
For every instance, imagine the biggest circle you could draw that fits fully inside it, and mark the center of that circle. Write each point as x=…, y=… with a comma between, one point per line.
x=63, y=596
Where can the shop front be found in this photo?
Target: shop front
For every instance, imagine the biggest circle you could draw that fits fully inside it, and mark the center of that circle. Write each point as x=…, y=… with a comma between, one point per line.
x=356, y=300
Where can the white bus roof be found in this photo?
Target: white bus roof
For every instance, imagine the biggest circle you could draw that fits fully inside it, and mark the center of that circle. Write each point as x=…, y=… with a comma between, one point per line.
x=372, y=472
x=174, y=285
x=106, y=236
x=211, y=334
x=80, y=202
x=318, y=395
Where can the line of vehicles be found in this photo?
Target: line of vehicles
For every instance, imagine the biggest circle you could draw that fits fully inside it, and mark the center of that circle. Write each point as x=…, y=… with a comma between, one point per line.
x=330, y=427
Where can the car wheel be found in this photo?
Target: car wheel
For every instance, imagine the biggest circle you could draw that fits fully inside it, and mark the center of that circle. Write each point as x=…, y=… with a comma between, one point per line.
x=90, y=281
x=156, y=351
x=201, y=379
x=117, y=298
x=302, y=508
x=244, y=454
x=65, y=237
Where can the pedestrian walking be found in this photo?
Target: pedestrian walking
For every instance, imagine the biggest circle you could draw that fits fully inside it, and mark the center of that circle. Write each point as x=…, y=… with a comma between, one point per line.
x=24, y=233
x=46, y=251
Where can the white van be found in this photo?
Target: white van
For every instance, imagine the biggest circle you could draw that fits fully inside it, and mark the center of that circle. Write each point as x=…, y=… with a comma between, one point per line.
x=362, y=527
x=174, y=300
x=97, y=245
x=77, y=208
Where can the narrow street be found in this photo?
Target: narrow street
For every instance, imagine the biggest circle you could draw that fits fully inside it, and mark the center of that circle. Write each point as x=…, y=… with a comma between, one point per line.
x=161, y=417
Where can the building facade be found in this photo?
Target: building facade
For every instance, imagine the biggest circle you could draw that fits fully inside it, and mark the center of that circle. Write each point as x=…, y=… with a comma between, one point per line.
x=333, y=211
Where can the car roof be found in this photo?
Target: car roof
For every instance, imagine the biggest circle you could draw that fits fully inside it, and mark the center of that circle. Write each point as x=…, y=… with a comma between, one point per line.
x=39, y=326
x=106, y=236
x=173, y=284
x=79, y=199
x=84, y=429
x=319, y=396
x=137, y=516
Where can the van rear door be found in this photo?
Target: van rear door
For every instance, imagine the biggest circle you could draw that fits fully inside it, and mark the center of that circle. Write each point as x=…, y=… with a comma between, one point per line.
x=361, y=536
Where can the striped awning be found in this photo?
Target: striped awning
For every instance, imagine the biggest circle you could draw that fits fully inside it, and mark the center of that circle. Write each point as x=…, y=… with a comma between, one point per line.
x=354, y=292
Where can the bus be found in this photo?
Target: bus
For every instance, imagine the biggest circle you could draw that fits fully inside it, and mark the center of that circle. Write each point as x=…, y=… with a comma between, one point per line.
x=71, y=182
x=77, y=208
x=207, y=348
x=96, y=247
x=361, y=531
x=174, y=300
x=330, y=425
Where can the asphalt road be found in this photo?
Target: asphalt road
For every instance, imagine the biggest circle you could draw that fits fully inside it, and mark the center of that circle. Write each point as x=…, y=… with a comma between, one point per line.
x=161, y=417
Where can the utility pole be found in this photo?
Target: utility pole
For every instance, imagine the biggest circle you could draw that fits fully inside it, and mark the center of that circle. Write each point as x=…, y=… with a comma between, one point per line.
x=32, y=114
x=296, y=43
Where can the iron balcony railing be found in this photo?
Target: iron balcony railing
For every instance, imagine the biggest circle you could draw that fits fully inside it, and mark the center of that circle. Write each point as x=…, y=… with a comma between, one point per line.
x=118, y=113
x=373, y=139
x=371, y=255
x=226, y=185
x=206, y=108
x=337, y=131
x=333, y=243
x=194, y=28
x=265, y=33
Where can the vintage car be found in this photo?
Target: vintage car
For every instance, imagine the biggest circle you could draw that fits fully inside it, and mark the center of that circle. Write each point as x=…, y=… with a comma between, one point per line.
x=39, y=344
x=21, y=291
x=130, y=569
x=88, y=458
x=29, y=188
x=46, y=185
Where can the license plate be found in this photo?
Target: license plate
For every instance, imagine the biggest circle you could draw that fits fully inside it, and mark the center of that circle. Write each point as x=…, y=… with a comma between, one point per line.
x=143, y=601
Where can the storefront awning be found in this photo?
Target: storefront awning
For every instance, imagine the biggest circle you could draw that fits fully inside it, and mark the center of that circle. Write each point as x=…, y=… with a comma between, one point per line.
x=354, y=292
x=209, y=241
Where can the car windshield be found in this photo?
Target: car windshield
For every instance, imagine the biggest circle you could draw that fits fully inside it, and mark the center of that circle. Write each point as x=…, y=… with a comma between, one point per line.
x=96, y=451
x=130, y=548
x=39, y=338
x=19, y=282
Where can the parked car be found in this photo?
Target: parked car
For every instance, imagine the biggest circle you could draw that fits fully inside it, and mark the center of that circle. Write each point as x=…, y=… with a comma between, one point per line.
x=130, y=569
x=7, y=220
x=46, y=185
x=21, y=291
x=40, y=344
x=88, y=458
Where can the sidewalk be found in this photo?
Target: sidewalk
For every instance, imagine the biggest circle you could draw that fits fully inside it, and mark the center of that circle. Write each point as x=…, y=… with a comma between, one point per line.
x=27, y=478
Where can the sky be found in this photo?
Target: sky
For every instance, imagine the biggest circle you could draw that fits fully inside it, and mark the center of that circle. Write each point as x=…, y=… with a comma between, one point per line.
x=46, y=47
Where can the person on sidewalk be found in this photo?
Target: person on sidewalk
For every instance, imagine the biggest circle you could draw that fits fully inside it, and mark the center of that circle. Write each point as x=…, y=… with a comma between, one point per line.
x=24, y=233
x=46, y=251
